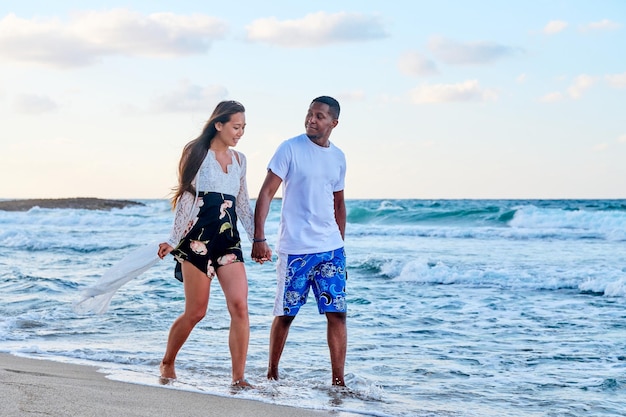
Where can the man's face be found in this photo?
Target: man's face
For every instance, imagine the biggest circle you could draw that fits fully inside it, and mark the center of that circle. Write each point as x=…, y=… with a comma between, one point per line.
x=319, y=122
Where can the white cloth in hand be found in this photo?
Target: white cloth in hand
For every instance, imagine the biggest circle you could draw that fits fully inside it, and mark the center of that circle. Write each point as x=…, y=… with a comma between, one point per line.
x=98, y=297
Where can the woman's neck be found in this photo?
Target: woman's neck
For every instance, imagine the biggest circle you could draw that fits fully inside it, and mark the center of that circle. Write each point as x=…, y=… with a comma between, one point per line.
x=219, y=148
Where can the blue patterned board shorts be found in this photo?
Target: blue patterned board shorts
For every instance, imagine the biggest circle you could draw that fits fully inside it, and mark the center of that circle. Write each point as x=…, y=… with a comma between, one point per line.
x=323, y=272
x=213, y=241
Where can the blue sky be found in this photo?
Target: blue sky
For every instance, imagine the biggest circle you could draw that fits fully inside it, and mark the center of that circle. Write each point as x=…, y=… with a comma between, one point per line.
x=440, y=99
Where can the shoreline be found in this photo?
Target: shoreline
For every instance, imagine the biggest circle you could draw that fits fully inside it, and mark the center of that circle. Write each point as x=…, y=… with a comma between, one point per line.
x=87, y=203
x=36, y=387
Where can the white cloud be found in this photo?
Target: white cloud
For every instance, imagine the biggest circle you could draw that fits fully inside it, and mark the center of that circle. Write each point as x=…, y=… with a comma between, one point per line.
x=554, y=26
x=413, y=63
x=89, y=36
x=317, y=29
x=189, y=98
x=463, y=53
x=600, y=147
x=552, y=97
x=617, y=80
x=34, y=104
x=581, y=83
x=604, y=24
x=468, y=90
x=521, y=78
x=622, y=139
x=355, y=95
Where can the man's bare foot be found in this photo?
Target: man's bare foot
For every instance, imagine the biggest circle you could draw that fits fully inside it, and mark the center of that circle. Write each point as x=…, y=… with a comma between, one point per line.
x=167, y=371
x=272, y=373
x=339, y=382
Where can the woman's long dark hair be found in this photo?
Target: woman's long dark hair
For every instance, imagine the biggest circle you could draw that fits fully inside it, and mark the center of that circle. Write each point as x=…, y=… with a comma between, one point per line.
x=195, y=151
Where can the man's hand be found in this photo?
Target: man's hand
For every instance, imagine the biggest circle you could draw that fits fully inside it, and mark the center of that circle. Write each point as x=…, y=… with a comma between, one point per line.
x=261, y=252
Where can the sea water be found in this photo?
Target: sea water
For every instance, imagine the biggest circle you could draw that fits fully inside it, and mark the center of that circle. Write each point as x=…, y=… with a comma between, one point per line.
x=456, y=308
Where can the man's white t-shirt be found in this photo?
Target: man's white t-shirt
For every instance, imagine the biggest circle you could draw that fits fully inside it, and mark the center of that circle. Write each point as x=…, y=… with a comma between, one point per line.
x=310, y=174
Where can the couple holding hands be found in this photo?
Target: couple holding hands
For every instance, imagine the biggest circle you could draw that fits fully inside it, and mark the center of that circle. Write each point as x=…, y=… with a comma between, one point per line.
x=210, y=199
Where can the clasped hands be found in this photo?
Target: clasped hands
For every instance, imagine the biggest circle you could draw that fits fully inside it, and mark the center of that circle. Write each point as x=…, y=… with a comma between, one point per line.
x=261, y=252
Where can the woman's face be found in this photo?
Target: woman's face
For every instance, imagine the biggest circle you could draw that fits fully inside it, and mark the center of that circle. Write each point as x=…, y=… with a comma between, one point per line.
x=230, y=132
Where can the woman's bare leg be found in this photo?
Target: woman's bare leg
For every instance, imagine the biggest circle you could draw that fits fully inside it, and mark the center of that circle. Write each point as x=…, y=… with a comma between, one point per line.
x=234, y=283
x=197, y=288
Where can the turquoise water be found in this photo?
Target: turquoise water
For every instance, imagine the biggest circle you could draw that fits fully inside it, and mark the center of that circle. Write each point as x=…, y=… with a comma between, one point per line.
x=456, y=308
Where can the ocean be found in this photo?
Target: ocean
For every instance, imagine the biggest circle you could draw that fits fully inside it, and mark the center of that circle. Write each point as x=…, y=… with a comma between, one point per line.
x=456, y=308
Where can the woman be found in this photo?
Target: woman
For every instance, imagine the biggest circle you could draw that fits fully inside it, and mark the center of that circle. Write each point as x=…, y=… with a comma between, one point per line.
x=211, y=195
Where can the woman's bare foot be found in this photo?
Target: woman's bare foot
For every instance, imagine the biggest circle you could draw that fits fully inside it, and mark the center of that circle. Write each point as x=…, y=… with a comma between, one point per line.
x=242, y=384
x=166, y=381
x=167, y=371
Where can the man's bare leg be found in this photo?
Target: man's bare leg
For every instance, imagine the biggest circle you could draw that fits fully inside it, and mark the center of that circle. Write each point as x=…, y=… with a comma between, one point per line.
x=337, y=335
x=278, y=337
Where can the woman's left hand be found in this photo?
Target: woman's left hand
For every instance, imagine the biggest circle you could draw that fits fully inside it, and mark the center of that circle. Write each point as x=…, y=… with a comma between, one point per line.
x=261, y=252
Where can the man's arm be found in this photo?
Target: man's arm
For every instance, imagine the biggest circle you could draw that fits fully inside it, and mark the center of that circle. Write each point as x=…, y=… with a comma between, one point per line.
x=260, y=250
x=340, y=212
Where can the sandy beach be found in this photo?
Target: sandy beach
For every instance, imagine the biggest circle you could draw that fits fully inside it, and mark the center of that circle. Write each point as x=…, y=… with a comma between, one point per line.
x=32, y=387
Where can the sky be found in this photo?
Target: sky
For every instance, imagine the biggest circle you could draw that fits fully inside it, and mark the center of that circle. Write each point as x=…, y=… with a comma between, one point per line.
x=439, y=99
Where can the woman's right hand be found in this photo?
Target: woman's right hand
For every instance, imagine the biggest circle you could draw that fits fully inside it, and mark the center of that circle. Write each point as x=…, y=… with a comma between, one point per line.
x=164, y=249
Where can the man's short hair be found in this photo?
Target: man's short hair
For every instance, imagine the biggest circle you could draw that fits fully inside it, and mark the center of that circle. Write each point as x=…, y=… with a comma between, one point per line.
x=332, y=104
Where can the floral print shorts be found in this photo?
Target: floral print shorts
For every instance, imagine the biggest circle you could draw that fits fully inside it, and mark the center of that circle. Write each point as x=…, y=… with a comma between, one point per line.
x=323, y=272
x=213, y=241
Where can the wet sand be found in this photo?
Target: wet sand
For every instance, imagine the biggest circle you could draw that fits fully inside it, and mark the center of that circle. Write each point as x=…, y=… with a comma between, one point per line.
x=33, y=387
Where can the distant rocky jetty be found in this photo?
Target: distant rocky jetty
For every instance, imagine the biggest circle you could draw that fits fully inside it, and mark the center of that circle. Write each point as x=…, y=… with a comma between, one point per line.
x=67, y=203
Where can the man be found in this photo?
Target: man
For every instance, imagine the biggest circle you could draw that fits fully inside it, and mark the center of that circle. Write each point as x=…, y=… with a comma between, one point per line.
x=311, y=234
